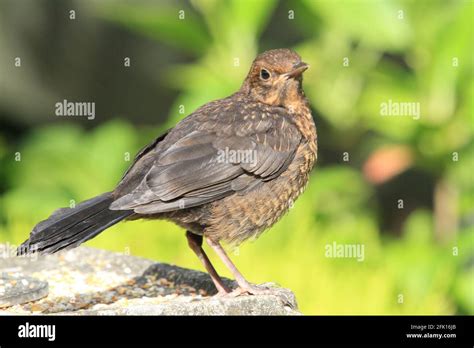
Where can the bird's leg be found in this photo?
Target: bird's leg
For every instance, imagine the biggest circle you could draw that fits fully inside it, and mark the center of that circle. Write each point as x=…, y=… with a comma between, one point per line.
x=195, y=243
x=244, y=285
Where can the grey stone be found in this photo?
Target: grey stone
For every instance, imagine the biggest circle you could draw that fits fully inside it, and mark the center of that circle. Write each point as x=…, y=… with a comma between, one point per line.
x=87, y=281
x=18, y=289
x=241, y=305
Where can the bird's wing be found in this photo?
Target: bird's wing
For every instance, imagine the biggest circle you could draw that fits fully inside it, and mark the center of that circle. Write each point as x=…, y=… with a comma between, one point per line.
x=220, y=156
x=143, y=151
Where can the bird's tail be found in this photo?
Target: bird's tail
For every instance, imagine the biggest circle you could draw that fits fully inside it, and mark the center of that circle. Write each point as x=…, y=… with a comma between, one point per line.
x=67, y=228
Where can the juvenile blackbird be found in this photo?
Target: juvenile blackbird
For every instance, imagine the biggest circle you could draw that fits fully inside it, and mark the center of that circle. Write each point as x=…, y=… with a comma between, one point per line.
x=225, y=173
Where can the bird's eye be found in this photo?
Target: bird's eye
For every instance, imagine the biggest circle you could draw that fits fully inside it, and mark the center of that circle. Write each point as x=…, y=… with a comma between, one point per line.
x=264, y=74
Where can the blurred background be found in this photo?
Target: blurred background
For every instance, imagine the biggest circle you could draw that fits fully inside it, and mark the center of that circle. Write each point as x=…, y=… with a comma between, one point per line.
x=401, y=186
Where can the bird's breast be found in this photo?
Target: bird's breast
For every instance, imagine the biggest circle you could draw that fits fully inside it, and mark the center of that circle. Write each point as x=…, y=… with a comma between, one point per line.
x=237, y=218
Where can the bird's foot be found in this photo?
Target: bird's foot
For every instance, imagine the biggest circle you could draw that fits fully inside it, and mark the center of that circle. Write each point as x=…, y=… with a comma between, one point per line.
x=251, y=289
x=222, y=293
x=286, y=297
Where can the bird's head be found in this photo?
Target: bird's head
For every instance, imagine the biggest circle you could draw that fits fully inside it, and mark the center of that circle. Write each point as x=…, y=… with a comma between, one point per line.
x=275, y=78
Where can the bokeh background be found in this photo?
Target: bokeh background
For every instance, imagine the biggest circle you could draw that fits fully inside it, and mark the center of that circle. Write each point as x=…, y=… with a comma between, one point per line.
x=400, y=186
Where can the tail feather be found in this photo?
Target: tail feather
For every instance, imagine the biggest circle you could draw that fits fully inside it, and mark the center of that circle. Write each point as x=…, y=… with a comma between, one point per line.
x=67, y=228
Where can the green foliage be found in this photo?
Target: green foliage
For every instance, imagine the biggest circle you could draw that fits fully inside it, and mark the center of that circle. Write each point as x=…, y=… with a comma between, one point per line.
x=292, y=253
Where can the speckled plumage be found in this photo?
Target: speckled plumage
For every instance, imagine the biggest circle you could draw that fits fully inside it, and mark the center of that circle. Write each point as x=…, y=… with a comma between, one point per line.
x=245, y=204
x=183, y=176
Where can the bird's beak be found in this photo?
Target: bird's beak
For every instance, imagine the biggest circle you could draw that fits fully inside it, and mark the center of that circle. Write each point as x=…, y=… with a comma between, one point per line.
x=298, y=69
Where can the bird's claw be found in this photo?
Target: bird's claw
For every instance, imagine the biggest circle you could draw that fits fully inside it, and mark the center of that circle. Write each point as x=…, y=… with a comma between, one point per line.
x=251, y=289
x=222, y=293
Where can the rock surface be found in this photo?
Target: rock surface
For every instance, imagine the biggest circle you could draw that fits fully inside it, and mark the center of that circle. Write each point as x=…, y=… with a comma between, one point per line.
x=87, y=281
x=18, y=289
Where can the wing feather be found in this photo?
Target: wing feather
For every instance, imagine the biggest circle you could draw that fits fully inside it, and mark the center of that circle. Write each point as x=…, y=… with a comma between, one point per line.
x=192, y=168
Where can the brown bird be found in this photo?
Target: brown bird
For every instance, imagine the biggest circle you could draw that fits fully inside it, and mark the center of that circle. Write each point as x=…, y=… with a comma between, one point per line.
x=225, y=173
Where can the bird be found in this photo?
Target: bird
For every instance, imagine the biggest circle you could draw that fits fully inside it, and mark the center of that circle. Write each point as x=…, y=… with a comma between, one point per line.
x=225, y=173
